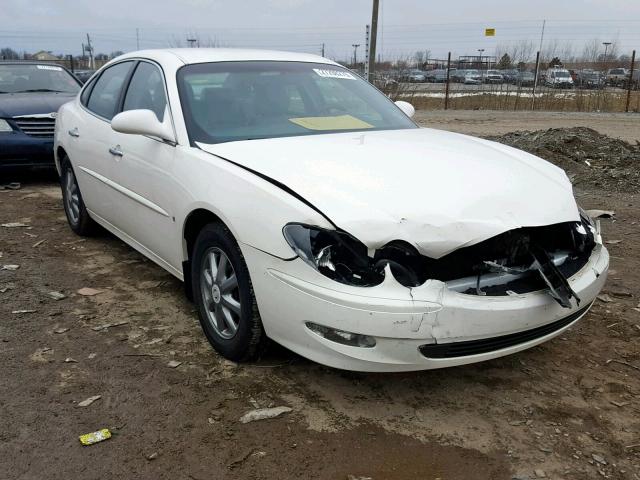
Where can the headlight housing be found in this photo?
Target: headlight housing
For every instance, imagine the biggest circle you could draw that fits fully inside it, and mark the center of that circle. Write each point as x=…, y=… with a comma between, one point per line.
x=335, y=254
x=5, y=127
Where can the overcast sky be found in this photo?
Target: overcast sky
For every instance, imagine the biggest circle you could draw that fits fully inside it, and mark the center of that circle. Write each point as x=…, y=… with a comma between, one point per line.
x=304, y=25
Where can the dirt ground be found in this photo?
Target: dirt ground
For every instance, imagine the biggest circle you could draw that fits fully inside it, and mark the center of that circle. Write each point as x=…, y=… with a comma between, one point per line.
x=568, y=409
x=486, y=123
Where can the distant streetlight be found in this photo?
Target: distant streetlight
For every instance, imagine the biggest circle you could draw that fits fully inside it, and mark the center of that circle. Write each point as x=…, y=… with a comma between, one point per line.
x=355, y=53
x=606, y=48
x=481, y=51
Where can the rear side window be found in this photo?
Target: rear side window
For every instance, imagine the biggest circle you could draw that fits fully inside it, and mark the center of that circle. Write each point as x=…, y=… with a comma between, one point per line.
x=106, y=92
x=146, y=90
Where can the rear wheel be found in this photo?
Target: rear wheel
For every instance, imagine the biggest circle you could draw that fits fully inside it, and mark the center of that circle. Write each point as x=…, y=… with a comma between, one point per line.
x=74, y=207
x=224, y=295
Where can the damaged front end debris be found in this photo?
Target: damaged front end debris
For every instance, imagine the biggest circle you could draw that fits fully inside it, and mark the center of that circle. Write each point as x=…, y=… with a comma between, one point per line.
x=518, y=261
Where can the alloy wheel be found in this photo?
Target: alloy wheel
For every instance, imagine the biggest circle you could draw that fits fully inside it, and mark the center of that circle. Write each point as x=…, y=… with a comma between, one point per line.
x=220, y=293
x=72, y=197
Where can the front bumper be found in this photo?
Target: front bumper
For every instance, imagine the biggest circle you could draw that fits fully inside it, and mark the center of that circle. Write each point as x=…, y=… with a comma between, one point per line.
x=402, y=320
x=20, y=150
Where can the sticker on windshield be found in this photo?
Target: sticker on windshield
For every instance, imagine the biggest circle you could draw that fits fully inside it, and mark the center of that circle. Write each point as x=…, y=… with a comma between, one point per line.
x=49, y=67
x=334, y=74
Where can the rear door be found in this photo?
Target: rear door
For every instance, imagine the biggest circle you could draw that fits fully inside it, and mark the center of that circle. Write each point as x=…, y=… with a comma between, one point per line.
x=91, y=133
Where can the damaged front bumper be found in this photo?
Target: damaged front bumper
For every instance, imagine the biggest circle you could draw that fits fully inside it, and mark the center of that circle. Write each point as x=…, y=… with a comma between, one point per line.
x=425, y=327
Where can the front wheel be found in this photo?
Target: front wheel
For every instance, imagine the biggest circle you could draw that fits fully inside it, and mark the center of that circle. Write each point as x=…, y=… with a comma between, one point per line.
x=224, y=295
x=77, y=216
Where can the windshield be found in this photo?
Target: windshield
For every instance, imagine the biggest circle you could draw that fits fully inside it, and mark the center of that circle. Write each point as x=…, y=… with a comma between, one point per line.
x=561, y=74
x=15, y=78
x=229, y=101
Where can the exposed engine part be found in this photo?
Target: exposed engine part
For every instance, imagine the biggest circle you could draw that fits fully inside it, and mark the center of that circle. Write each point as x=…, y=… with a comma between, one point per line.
x=518, y=261
x=559, y=288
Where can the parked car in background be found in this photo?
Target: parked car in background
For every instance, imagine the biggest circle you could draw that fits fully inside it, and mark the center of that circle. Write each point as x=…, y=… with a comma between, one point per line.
x=459, y=74
x=416, y=76
x=510, y=75
x=493, y=76
x=83, y=75
x=288, y=193
x=437, y=76
x=617, y=77
x=472, y=77
x=558, y=78
x=30, y=95
x=635, y=80
x=524, y=79
x=589, y=79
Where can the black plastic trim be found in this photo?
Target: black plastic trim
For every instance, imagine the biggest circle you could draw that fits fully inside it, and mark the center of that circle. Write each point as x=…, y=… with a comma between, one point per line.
x=486, y=345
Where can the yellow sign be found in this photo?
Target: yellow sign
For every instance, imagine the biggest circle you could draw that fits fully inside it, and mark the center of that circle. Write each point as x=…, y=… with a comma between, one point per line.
x=489, y=32
x=339, y=122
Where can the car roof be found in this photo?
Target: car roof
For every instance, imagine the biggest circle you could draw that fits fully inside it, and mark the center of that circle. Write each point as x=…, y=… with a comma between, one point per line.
x=205, y=55
x=30, y=62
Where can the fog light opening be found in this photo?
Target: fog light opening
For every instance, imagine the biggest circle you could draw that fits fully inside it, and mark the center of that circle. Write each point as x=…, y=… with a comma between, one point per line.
x=342, y=337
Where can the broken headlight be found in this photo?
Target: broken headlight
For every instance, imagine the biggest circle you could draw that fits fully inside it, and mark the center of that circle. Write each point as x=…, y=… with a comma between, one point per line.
x=335, y=254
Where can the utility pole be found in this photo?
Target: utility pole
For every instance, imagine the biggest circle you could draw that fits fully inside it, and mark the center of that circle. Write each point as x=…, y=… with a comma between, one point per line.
x=355, y=54
x=536, y=75
x=137, y=39
x=544, y=22
x=89, y=48
x=630, y=82
x=606, y=49
x=366, y=54
x=535, y=81
x=372, y=41
x=322, y=50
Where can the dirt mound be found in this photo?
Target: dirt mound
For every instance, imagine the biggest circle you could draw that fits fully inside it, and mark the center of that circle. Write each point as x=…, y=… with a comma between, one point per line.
x=588, y=157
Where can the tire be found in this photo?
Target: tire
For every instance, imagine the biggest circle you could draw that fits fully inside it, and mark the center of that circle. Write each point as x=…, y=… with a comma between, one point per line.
x=221, y=302
x=77, y=216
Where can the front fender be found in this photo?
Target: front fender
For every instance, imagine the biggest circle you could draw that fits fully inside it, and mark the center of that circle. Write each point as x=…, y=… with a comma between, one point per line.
x=254, y=209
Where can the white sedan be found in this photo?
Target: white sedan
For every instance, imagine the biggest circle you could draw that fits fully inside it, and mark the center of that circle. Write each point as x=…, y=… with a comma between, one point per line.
x=299, y=204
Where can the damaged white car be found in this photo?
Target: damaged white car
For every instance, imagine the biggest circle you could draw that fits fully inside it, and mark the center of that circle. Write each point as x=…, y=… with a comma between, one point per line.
x=300, y=204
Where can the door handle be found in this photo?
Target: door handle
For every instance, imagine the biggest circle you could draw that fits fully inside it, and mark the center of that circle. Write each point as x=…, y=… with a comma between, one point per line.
x=74, y=132
x=116, y=151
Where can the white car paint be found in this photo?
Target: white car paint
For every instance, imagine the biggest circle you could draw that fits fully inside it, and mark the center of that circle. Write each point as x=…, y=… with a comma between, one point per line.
x=389, y=185
x=437, y=190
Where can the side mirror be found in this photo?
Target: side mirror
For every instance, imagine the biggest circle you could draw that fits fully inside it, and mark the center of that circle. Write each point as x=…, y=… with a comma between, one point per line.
x=406, y=107
x=143, y=122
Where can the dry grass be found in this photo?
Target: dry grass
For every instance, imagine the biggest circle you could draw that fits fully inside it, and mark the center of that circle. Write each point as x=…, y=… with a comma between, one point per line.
x=509, y=97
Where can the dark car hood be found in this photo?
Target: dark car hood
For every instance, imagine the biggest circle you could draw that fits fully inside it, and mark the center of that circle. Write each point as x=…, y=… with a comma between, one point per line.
x=14, y=104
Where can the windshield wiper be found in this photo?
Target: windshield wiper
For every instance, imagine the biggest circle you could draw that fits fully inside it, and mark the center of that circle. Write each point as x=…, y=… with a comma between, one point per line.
x=39, y=90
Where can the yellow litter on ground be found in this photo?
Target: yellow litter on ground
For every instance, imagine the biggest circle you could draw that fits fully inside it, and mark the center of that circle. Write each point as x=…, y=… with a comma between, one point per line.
x=95, y=437
x=339, y=122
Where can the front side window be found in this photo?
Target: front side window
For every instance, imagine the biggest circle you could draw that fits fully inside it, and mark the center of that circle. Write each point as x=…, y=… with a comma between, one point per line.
x=25, y=78
x=146, y=90
x=229, y=101
x=106, y=92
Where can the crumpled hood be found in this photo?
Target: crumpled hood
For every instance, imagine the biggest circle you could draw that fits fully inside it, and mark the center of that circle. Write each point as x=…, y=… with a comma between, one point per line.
x=434, y=189
x=14, y=104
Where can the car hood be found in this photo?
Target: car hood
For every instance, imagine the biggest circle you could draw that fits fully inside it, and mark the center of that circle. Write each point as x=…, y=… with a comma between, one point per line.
x=16, y=104
x=437, y=190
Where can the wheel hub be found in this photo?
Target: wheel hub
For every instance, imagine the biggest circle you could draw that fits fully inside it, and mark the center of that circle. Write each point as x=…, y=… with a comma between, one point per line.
x=215, y=293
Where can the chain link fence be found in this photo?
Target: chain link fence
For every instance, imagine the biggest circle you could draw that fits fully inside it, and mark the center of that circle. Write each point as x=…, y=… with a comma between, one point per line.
x=476, y=83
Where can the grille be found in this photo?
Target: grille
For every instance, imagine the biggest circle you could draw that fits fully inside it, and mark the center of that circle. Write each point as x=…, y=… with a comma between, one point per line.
x=475, y=347
x=36, y=126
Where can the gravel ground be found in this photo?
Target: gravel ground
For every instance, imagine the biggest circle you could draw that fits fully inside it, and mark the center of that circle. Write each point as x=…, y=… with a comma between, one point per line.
x=568, y=409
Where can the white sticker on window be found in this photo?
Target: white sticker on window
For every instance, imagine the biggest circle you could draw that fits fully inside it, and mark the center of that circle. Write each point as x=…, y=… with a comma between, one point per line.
x=334, y=74
x=49, y=67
